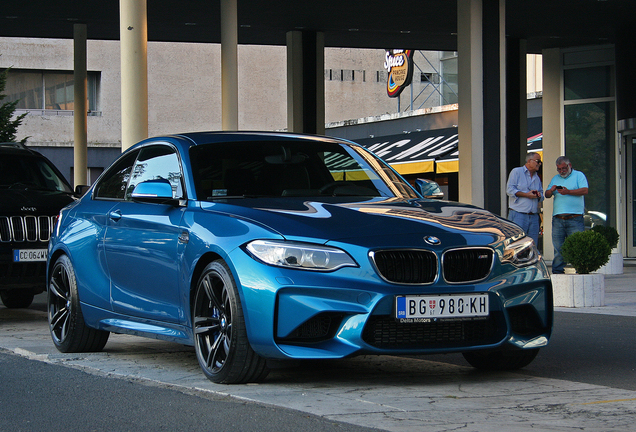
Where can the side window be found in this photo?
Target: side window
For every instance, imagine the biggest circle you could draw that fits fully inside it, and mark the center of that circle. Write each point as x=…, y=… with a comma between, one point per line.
x=113, y=184
x=157, y=162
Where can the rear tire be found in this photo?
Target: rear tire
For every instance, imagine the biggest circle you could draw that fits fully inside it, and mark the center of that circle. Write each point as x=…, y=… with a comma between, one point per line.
x=16, y=299
x=66, y=322
x=220, y=336
x=500, y=360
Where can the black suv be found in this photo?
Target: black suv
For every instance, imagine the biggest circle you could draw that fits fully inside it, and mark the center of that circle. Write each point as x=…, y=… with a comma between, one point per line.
x=32, y=192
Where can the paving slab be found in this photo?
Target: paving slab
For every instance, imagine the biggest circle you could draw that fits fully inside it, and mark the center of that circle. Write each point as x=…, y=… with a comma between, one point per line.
x=390, y=393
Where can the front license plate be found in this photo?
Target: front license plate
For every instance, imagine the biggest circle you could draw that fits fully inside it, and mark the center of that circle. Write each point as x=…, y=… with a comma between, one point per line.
x=29, y=255
x=433, y=307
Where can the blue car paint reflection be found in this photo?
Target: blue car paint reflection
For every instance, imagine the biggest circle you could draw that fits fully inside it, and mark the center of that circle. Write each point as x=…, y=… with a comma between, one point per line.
x=161, y=247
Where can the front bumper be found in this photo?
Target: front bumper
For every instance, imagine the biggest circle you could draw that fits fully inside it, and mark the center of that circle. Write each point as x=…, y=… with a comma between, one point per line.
x=336, y=316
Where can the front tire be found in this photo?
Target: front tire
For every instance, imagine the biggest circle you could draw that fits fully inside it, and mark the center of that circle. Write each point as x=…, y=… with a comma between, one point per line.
x=500, y=360
x=69, y=331
x=220, y=336
x=16, y=299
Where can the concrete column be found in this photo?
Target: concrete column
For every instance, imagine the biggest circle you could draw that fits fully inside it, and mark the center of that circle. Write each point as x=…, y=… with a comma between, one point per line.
x=305, y=82
x=133, y=22
x=495, y=112
x=553, y=134
x=229, y=65
x=471, y=102
x=319, y=75
x=516, y=104
x=482, y=102
x=80, y=105
x=294, y=81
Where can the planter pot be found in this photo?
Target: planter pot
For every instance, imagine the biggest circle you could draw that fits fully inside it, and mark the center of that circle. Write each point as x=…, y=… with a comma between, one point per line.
x=614, y=266
x=579, y=290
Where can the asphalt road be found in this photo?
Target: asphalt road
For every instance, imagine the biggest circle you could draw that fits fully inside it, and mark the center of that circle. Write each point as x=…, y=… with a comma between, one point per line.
x=586, y=348
x=37, y=396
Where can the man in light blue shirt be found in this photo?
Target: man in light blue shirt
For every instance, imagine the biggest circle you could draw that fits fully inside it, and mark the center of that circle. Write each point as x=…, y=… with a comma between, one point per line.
x=569, y=188
x=525, y=192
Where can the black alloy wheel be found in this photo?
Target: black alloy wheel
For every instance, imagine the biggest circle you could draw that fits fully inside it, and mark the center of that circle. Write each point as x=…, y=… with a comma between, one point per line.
x=220, y=336
x=66, y=323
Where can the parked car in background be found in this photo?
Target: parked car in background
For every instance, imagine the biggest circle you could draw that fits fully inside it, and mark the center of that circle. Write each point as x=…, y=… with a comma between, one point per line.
x=429, y=188
x=32, y=192
x=256, y=247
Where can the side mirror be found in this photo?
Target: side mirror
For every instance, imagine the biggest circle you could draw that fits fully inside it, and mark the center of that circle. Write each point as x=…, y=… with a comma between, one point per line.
x=80, y=190
x=157, y=191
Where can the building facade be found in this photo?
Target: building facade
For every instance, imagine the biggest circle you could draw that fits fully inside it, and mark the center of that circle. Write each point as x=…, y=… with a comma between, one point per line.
x=572, y=99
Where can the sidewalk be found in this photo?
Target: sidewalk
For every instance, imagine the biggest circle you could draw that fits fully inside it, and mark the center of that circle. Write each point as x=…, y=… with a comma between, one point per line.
x=396, y=394
x=620, y=294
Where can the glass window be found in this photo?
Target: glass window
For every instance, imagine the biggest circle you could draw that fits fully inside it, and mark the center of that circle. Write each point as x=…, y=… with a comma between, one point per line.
x=58, y=91
x=587, y=132
x=113, y=184
x=48, y=90
x=25, y=87
x=586, y=83
x=157, y=162
x=289, y=168
x=32, y=172
x=450, y=79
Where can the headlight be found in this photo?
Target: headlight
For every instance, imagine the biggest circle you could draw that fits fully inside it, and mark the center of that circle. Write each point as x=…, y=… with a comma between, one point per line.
x=299, y=255
x=522, y=252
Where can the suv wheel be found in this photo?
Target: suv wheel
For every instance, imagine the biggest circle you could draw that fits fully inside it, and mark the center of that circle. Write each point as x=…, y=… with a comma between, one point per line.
x=16, y=299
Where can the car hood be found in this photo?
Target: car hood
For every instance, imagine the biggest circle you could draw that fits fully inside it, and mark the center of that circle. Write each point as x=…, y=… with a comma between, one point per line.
x=32, y=201
x=385, y=221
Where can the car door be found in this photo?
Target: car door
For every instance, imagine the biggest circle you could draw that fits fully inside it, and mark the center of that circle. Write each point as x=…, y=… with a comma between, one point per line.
x=141, y=243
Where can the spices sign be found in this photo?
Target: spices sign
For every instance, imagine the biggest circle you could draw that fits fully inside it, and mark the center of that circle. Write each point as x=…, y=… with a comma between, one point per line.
x=399, y=65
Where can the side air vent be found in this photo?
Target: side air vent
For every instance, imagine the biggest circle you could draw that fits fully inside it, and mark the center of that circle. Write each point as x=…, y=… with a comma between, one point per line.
x=319, y=328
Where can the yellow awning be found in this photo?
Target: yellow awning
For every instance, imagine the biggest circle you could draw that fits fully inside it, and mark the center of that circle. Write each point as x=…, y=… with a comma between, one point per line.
x=414, y=167
x=447, y=166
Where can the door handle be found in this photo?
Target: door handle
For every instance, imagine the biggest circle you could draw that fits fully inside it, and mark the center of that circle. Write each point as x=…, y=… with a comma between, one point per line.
x=115, y=215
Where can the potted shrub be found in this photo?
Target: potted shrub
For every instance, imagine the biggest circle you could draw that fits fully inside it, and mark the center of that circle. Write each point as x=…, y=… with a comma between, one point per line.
x=586, y=251
x=610, y=234
x=615, y=264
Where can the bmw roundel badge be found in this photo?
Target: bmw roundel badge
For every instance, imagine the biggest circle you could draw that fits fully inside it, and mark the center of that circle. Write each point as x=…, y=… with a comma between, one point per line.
x=432, y=240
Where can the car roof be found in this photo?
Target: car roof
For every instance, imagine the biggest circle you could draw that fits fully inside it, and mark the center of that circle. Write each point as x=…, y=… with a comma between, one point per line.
x=18, y=148
x=198, y=138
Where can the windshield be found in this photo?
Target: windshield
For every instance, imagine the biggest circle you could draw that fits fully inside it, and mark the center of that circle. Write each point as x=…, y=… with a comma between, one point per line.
x=19, y=171
x=292, y=168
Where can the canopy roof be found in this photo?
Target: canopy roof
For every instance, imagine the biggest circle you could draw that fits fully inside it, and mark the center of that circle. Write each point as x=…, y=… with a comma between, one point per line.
x=417, y=24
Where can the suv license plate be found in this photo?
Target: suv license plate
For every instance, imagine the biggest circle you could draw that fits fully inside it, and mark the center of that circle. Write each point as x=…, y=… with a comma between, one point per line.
x=29, y=255
x=433, y=307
